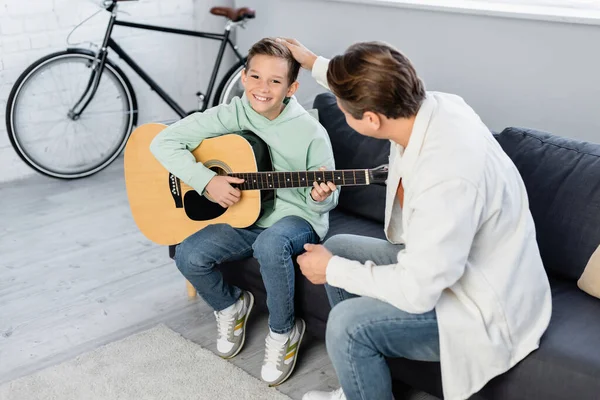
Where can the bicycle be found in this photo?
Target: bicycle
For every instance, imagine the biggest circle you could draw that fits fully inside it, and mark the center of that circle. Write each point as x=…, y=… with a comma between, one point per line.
x=97, y=91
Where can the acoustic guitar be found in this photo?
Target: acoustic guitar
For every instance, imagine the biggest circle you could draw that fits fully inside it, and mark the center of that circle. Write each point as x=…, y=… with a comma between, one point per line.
x=166, y=210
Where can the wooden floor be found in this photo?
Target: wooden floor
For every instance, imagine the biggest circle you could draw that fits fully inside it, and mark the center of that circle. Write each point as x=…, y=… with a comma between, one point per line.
x=75, y=273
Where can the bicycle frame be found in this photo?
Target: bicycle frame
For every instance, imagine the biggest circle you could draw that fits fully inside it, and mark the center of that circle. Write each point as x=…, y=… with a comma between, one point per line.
x=108, y=42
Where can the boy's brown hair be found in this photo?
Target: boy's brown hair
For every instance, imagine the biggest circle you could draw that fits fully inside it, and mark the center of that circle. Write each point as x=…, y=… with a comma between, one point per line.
x=269, y=47
x=374, y=76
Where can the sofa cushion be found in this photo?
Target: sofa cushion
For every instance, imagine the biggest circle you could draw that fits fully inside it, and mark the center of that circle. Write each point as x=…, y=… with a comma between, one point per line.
x=343, y=223
x=562, y=177
x=352, y=150
x=590, y=279
x=566, y=365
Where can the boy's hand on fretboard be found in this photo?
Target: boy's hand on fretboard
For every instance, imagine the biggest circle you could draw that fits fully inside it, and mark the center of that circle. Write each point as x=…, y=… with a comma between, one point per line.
x=323, y=190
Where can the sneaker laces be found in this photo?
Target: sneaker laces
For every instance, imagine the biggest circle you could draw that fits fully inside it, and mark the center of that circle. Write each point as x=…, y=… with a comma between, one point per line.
x=338, y=394
x=274, y=350
x=224, y=324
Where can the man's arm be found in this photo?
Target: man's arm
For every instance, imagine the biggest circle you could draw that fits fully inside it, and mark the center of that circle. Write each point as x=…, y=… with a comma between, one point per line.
x=319, y=71
x=320, y=154
x=173, y=146
x=439, y=238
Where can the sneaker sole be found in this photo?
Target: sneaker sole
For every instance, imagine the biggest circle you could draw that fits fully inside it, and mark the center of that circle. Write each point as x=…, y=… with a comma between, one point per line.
x=250, y=305
x=295, y=358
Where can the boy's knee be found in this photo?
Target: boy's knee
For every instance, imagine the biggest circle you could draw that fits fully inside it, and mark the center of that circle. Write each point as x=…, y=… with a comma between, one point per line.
x=193, y=255
x=188, y=257
x=270, y=245
x=182, y=260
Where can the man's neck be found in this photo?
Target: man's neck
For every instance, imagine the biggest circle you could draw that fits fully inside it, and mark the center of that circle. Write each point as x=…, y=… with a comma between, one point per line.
x=399, y=130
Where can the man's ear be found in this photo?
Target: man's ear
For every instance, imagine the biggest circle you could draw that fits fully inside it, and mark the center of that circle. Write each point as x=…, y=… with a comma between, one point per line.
x=292, y=89
x=372, y=119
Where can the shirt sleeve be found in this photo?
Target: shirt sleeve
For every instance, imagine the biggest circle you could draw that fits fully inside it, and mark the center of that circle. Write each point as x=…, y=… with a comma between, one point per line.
x=172, y=147
x=320, y=154
x=439, y=237
x=319, y=71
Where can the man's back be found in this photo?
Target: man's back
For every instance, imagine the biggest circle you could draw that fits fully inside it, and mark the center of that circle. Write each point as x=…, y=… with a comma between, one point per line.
x=501, y=305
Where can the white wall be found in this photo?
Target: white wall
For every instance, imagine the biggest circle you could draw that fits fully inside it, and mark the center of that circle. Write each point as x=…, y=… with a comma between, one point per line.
x=513, y=72
x=30, y=29
x=544, y=75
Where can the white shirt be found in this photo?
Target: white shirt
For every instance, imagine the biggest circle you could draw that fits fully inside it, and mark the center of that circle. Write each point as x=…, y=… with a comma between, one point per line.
x=470, y=245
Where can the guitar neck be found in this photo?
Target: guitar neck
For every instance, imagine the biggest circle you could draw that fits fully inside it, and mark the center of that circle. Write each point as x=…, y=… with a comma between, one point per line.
x=279, y=180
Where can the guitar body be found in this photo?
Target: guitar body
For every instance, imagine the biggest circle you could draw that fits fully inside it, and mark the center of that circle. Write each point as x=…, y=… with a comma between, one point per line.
x=167, y=210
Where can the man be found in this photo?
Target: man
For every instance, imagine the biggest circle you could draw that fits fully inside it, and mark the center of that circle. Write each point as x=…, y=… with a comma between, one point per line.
x=460, y=279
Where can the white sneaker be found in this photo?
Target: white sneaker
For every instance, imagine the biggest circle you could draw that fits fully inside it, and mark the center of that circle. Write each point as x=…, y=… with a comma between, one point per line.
x=280, y=356
x=318, y=395
x=231, y=326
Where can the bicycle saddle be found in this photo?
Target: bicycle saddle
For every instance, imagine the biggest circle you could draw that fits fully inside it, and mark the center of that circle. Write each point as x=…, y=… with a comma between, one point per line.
x=234, y=14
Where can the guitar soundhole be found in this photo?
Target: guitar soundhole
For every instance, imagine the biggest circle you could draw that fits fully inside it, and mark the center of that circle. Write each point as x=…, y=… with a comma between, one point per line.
x=199, y=208
x=203, y=208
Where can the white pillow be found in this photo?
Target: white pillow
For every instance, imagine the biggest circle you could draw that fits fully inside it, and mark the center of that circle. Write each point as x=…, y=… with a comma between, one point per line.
x=589, y=281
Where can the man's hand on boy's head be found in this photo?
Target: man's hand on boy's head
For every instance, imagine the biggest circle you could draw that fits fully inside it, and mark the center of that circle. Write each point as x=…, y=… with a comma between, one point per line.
x=304, y=56
x=321, y=191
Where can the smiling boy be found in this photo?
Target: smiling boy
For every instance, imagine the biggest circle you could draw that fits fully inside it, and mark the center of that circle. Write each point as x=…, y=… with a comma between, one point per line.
x=298, y=143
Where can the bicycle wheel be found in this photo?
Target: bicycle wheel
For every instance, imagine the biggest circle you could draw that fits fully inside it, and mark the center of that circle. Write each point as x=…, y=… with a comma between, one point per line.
x=38, y=122
x=231, y=84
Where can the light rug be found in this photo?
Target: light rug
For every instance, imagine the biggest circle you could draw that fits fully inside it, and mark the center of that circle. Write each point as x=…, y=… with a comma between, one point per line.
x=155, y=364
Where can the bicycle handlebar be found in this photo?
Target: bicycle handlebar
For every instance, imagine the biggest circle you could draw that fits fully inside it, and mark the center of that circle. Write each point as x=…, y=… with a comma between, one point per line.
x=111, y=4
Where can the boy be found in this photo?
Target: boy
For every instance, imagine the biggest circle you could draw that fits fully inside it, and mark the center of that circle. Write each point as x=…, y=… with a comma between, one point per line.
x=297, y=143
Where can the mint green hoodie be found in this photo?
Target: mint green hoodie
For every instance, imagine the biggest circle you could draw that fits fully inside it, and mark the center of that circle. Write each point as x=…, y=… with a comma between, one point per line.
x=298, y=142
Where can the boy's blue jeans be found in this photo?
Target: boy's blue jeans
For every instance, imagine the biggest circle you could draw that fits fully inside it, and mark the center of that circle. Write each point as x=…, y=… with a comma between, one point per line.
x=361, y=331
x=274, y=248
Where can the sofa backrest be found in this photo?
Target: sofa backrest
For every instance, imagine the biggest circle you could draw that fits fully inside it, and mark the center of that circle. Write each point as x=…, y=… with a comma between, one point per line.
x=352, y=150
x=562, y=177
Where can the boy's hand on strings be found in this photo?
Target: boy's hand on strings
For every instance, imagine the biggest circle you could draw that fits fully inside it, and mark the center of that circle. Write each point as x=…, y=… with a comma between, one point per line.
x=321, y=191
x=220, y=190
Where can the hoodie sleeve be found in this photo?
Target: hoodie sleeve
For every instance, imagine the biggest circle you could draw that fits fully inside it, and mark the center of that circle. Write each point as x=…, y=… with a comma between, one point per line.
x=173, y=146
x=320, y=154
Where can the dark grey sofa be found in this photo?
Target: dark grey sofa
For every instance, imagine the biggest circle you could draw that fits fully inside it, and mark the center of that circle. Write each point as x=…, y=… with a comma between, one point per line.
x=563, y=182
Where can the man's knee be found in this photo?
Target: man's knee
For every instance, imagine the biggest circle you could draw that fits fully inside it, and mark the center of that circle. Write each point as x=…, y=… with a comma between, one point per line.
x=336, y=244
x=340, y=322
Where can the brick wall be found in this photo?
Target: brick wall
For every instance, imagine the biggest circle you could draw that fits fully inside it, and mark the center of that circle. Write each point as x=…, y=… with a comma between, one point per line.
x=30, y=29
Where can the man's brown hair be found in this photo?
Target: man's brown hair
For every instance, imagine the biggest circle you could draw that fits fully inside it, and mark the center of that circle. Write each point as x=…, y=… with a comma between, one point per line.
x=374, y=76
x=269, y=47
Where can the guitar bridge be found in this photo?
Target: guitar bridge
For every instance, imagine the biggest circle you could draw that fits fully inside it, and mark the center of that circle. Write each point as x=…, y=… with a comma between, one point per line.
x=175, y=189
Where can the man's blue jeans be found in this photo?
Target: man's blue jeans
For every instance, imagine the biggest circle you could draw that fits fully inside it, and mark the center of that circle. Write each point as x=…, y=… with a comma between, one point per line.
x=362, y=331
x=274, y=248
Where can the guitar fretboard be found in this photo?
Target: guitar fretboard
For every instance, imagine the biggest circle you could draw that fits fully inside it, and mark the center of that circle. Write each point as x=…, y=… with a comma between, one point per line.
x=277, y=180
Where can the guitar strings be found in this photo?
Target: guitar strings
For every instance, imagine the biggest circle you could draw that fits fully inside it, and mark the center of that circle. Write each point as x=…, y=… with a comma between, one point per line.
x=266, y=179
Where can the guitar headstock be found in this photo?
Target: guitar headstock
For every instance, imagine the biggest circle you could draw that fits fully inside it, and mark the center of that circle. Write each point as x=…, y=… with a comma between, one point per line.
x=379, y=175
